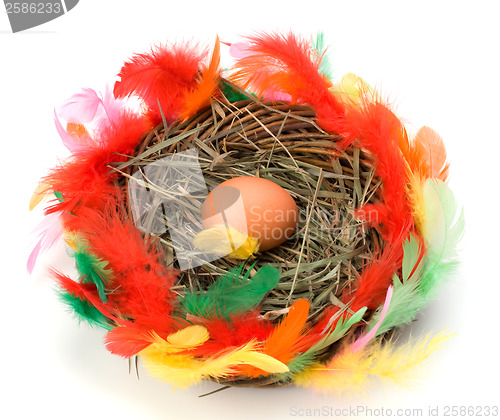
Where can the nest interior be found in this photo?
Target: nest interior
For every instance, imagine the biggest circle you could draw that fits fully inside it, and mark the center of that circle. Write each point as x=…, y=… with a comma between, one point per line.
x=282, y=143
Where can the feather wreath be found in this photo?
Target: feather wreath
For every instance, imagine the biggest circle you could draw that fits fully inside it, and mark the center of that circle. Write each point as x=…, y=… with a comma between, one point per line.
x=129, y=286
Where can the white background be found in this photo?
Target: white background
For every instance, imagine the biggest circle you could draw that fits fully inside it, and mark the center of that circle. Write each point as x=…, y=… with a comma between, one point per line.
x=436, y=61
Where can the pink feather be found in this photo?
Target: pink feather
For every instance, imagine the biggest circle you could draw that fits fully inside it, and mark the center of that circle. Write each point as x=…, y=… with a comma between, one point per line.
x=240, y=49
x=71, y=142
x=81, y=108
x=111, y=106
x=48, y=231
x=91, y=109
x=362, y=341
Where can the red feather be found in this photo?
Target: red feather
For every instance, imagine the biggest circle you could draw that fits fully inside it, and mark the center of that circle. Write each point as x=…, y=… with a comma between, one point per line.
x=86, y=179
x=163, y=76
x=232, y=334
x=286, y=64
x=127, y=341
x=375, y=279
x=375, y=128
x=141, y=284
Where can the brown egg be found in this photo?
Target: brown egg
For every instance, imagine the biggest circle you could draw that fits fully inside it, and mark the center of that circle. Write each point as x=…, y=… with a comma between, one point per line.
x=255, y=206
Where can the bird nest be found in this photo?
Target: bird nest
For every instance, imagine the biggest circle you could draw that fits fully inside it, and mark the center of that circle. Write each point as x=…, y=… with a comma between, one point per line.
x=281, y=143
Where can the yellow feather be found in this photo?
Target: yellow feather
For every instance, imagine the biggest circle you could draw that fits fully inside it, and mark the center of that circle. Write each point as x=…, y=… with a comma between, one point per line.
x=352, y=371
x=191, y=336
x=184, y=370
x=417, y=201
x=226, y=241
x=41, y=191
x=353, y=89
x=71, y=239
x=185, y=339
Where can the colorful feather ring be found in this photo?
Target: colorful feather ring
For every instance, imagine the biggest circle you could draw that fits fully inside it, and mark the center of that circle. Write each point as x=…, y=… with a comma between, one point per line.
x=190, y=264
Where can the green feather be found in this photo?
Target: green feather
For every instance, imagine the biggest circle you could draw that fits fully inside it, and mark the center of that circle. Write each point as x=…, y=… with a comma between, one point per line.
x=231, y=93
x=341, y=328
x=406, y=300
x=232, y=293
x=405, y=304
x=92, y=269
x=325, y=66
x=444, y=227
x=83, y=311
x=59, y=196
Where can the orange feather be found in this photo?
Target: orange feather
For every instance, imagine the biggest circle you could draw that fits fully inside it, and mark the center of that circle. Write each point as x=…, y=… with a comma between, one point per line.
x=200, y=97
x=426, y=155
x=283, y=343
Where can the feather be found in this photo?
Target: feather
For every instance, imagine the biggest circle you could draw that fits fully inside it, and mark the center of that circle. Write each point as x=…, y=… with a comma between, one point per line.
x=415, y=192
x=161, y=79
x=283, y=342
x=426, y=155
x=374, y=127
x=425, y=158
x=41, y=192
x=87, y=293
x=406, y=300
x=239, y=50
x=226, y=241
x=140, y=289
x=78, y=130
x=81, y=108
x=239, y=330
x=285, y=64
x=85, y=179
x=232, y=293
x=48, y=232
x=351, y=372
x=374, y=280
x=324, y=340
x=354, y=91
x=200, y=96
x=413, y=259
x=92, y=269
x=426, y=268
x=187, y=338
x=443, y=229
x=362, y=341
x=85, y=312
x=406, y=303
x=321, y=50
x=70, y=140
x=128, y=341
x=337, y=326
x=183, y=370
x=232, y=93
